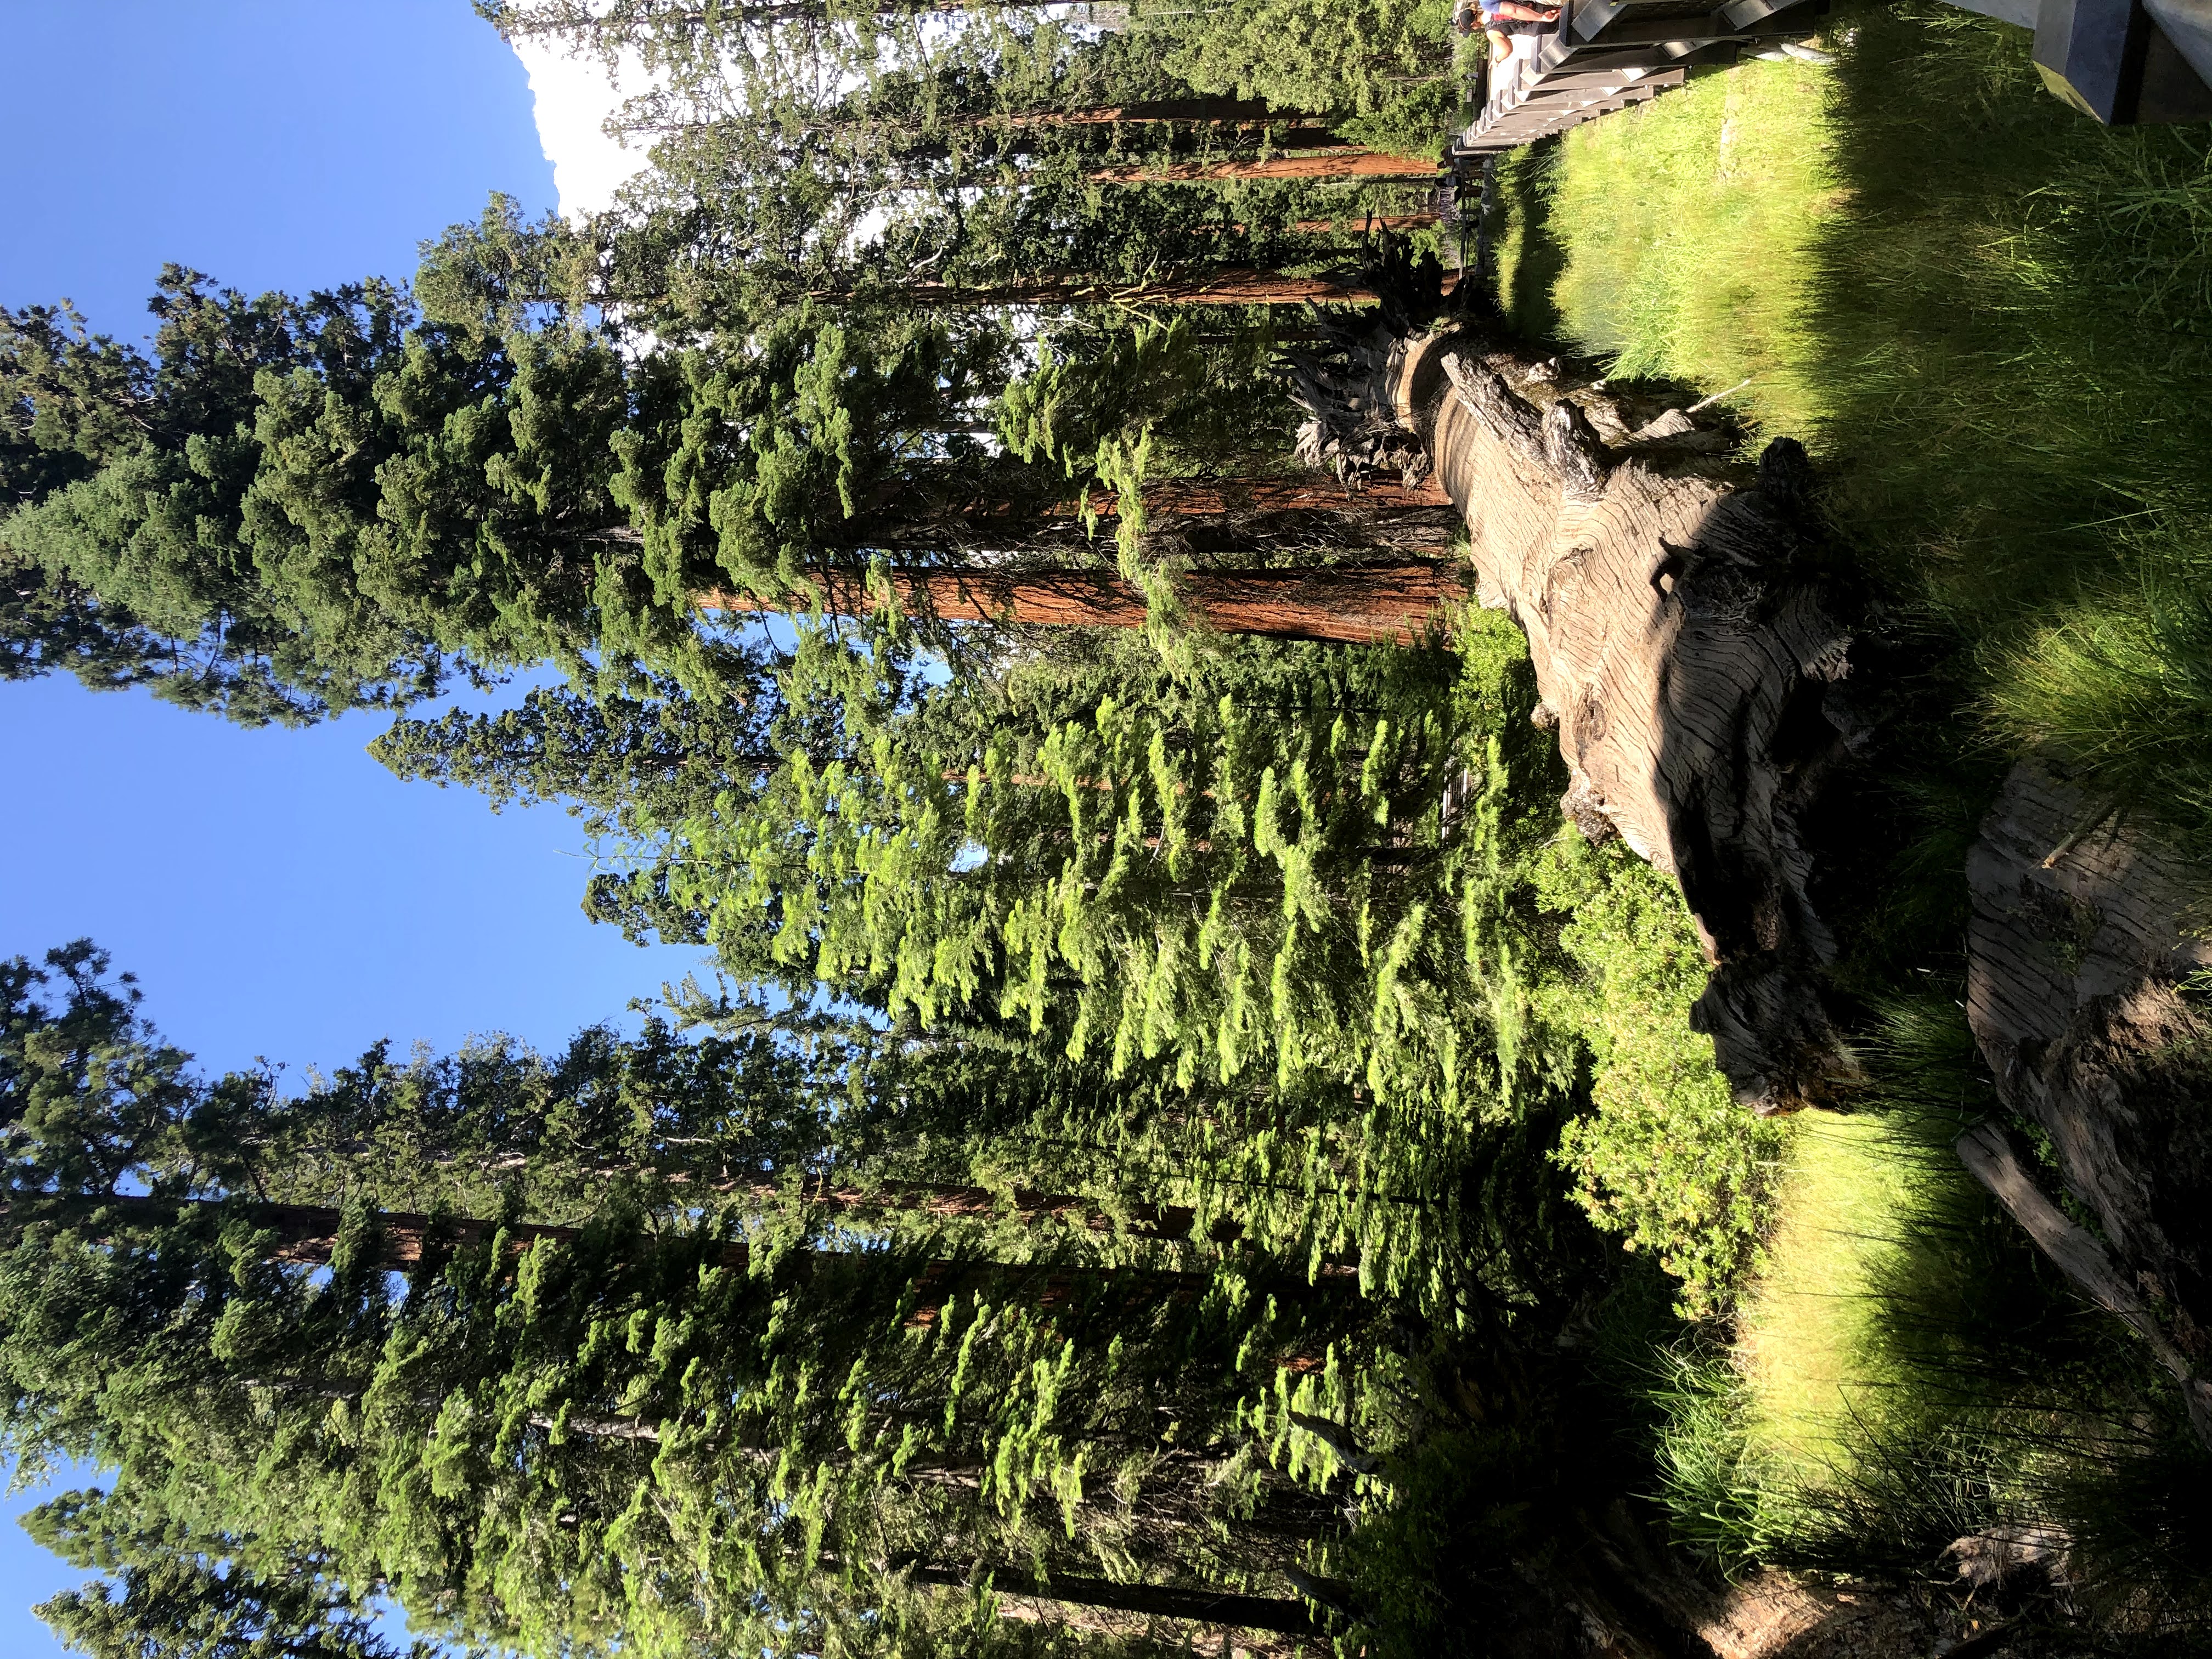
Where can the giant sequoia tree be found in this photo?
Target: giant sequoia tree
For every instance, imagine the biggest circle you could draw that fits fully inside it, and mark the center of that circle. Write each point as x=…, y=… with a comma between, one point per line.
x=298, y=505
x=295, y=506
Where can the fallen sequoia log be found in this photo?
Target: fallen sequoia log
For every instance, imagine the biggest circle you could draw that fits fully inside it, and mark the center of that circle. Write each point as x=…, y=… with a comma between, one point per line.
x=2085, y=929
x=1683, y=644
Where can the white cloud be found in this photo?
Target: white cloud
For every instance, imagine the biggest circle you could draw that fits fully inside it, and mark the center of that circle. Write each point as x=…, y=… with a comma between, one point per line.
x=573, y=97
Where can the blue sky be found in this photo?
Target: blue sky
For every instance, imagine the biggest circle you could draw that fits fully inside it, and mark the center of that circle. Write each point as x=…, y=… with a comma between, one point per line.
x=277, y=892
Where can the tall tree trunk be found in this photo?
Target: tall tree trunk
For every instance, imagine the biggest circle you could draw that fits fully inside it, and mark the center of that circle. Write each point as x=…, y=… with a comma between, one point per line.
x=581, y=23
x=1210, y=496
x=1281, y=1615
x=1168, y=497
x=1346, y=163
x=1352, y=225
x=1291, y=128
x=1348, y=604
x=1178, y=111
x=1221, y=515
x=943, y=1201
x=1230, y=285
x=304, y=1232
x=309, y=1233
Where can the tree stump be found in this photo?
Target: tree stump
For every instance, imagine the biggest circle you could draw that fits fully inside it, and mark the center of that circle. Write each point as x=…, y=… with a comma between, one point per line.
x=2084, y=927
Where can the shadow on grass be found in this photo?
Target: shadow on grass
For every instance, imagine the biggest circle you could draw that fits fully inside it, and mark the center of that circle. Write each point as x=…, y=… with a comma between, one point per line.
x=2012, y=322
x=2014, y=329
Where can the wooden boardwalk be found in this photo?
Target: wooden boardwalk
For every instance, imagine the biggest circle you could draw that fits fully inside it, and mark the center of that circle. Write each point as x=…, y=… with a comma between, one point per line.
x=1605, y=55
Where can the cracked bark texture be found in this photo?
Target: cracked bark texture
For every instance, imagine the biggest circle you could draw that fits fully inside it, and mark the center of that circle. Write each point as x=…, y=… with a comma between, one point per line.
x=2085, y=928
x=1685, y=648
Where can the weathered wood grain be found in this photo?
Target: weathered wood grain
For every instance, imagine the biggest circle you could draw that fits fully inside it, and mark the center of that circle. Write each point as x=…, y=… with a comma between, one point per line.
x=1684, y=646
x=2085, y=929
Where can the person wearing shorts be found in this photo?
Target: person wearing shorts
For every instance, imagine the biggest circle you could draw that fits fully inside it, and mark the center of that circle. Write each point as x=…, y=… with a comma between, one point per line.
x=1503, y=18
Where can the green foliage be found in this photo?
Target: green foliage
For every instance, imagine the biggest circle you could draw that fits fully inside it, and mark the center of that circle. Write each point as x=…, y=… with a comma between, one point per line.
x=1058, y=863
x=1384, y=61
x=660, y=1436
x=318, y=502
x=186, y=1594
x=1156, y=867
x=890, y=157
x=1665, y=1156
x=1439, y=1558
x=91, y=1098
x=719, y=1416
x=129, y=480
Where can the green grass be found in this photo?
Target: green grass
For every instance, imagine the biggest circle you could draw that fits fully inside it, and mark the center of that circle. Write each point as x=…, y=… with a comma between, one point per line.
x=1844, y=1361
x=1688, y=224
x=1906, y=1370
x=1808, y=1323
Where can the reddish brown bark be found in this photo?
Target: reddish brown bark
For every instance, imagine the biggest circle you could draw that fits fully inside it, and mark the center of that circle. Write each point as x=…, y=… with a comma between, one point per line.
x=1347, y=163
x=1209, y=496
x=1182, y=497
x=1164, y=112
x=1232, y=285
x=1354, y=225
x=1349, y=605
x=906, y=516
x=1182, y=111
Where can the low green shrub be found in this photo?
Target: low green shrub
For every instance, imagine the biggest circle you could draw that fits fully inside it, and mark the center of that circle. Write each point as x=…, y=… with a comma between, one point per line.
x=1664, y=1157
x=1384, y=68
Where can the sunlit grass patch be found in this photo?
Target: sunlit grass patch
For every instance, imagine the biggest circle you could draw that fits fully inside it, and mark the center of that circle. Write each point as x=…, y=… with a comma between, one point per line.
x=1689, y=226
x=1809, y=1438
x=1818, y=1381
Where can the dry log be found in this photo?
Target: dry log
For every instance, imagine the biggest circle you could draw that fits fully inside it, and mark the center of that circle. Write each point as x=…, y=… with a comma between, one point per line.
x=2084, y=927
x=1684, y=648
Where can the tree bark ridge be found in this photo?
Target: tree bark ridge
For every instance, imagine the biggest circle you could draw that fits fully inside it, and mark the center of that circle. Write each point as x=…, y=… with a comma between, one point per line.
x=1349, y=605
